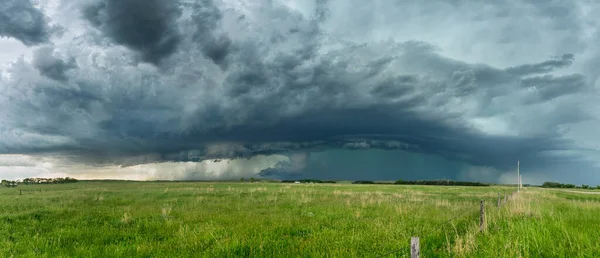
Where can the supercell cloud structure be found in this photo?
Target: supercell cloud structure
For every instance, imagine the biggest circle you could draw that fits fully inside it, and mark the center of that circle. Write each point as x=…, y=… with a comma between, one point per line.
x=288, y=89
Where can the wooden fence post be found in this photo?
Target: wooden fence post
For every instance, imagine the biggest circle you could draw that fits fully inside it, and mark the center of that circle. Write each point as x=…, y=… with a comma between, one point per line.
x=20, y=192
x=498, y=200
x=481, y=216
x=414, y=247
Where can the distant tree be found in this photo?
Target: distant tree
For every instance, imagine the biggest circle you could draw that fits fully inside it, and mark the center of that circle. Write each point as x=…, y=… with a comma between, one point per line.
x=71, y=180
x=242, y=179
x=585, y=186
x=598, y=187
x=439, y=182
x=557, y=185
x=551, y=185
x=315, y=181
x=252, y=179
x=4, y=182
x=363, y=182
x=59, y=180
x=10, y=183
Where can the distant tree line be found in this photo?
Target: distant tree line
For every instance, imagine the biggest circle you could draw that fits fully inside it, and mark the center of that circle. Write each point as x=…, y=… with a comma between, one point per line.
x=58, y=180
x=8, y=183
x=33, y=181
x=425, y=182
x=559, y=185
x=315, y=181
x=440, y=182
x=364, y=182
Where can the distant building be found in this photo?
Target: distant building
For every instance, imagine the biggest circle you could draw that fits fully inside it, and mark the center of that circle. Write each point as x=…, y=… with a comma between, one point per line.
x=297, y=182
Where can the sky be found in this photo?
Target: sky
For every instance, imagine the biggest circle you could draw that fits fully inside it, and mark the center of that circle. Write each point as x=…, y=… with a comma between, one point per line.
x=330, y=89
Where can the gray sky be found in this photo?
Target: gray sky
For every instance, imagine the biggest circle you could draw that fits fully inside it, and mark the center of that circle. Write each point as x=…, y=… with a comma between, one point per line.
x=340, y=89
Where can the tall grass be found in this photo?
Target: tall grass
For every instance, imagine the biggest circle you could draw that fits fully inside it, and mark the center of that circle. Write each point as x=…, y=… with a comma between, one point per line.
x=136, y=219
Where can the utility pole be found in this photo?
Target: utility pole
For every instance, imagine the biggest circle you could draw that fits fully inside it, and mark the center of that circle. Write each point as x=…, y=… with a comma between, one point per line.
x=521, y=181
x=518, y=176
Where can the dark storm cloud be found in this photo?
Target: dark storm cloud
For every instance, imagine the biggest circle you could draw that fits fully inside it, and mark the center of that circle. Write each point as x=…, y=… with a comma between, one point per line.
x=329, y=113
x=372, y=164
x=549, y=87
x=205, y=19
x=322, y=11
x=19, y=19
x=146, y=26
x=274, y=82
x=50, y=65
x=543, y=67
x=396, y=87
x=217, y=49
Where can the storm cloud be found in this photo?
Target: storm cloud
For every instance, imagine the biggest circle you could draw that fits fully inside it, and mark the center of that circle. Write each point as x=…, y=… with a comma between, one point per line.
x=406, y=86
x=146, y=26
x=50, y=65
x=19, y=19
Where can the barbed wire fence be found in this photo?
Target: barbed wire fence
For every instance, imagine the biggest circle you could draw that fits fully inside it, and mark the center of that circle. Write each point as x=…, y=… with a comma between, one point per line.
x=415, y=244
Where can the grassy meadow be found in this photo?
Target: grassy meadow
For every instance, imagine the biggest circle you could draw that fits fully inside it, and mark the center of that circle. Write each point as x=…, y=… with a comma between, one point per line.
x=192, y=219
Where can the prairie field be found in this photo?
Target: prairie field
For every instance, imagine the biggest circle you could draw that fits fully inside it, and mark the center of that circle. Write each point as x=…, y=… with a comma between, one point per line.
x=204, y=219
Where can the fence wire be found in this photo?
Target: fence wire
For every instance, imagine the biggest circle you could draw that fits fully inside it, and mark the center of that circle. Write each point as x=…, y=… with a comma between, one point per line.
x=439, y=227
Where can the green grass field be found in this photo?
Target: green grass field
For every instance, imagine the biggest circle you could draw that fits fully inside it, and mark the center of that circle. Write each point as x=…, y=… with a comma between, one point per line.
x=151, y=219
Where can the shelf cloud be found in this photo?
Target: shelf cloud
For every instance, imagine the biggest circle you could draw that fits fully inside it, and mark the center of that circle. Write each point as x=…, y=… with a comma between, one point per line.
x=330, y=89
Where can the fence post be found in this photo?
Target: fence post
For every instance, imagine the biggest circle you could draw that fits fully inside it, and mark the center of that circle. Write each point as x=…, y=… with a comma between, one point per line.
x=498, y=200
x=20, y=192
x=414, y=247
x=481, y=216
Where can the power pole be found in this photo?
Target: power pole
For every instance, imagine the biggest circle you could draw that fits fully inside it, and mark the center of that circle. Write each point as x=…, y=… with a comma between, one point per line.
x=518, y=176
x=521, y=181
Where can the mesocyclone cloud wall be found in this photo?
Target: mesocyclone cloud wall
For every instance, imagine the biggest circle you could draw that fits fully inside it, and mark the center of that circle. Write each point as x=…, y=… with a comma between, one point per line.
x=475, y=85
